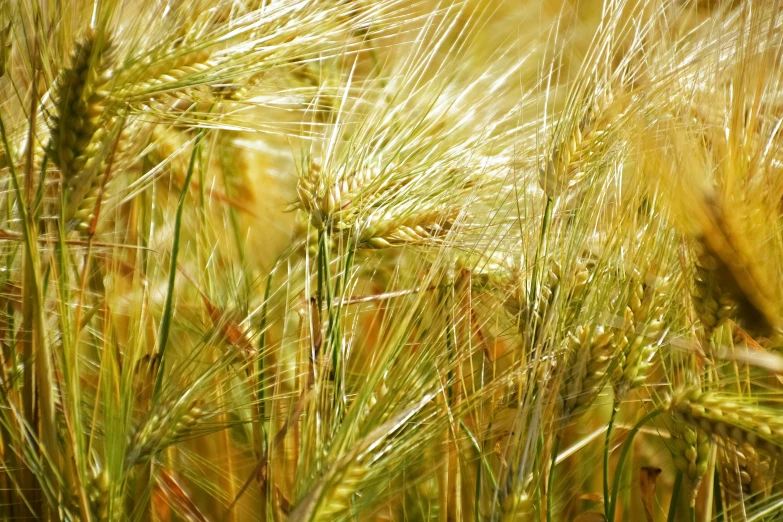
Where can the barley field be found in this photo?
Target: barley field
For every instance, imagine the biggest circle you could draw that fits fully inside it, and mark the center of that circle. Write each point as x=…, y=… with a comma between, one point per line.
x=393, y=260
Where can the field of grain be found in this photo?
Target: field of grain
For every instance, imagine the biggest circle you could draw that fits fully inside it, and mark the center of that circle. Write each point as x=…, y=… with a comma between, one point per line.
x=393, y=260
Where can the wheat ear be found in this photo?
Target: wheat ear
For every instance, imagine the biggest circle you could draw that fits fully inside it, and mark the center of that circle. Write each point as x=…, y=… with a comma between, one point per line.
x=98, y=495
x=516, y=301
x=517, y=507
x=738, y=270
x=417, y=228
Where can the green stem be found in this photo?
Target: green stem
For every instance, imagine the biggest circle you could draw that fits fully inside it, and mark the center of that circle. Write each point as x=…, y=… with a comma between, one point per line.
x=718, y=498
x=607, y=444
x=621, y=462
x=334, y=330
x=542, y=241
x=539, y=491
x=534, y=282
x=36, y=351
x=483, y=464
x=324, y=276
x=477, y=498
x=262, y=339
x=449, y=343
x=675, y=497
x=550, y=479
x=165, y=323
x=261, y=432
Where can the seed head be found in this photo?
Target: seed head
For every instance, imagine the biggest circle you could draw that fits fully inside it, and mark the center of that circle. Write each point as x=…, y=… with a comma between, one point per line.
x=80, y=127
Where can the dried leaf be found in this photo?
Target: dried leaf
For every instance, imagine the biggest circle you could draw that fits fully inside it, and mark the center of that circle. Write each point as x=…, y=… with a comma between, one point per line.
x=592, y=497
x=767, y=360
x=648, y=478
x=176, y=497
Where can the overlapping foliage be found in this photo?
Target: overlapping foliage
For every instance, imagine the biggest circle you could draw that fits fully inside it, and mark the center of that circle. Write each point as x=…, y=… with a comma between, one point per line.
x=391, y=260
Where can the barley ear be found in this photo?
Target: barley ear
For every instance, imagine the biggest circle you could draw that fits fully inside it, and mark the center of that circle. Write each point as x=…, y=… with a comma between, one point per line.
x=415, y=229
x=80, y=130
x=517, y=507
x=556, y=281
x=731, y=421
x=164, y=427
x=587, y=361
x=745, y=474
x=713, y=304
x=98, y=495
x=336, y=499
x=690, y=449
x=153, y=78
x=739, y=270
x=572, y=145
x=636, y=341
